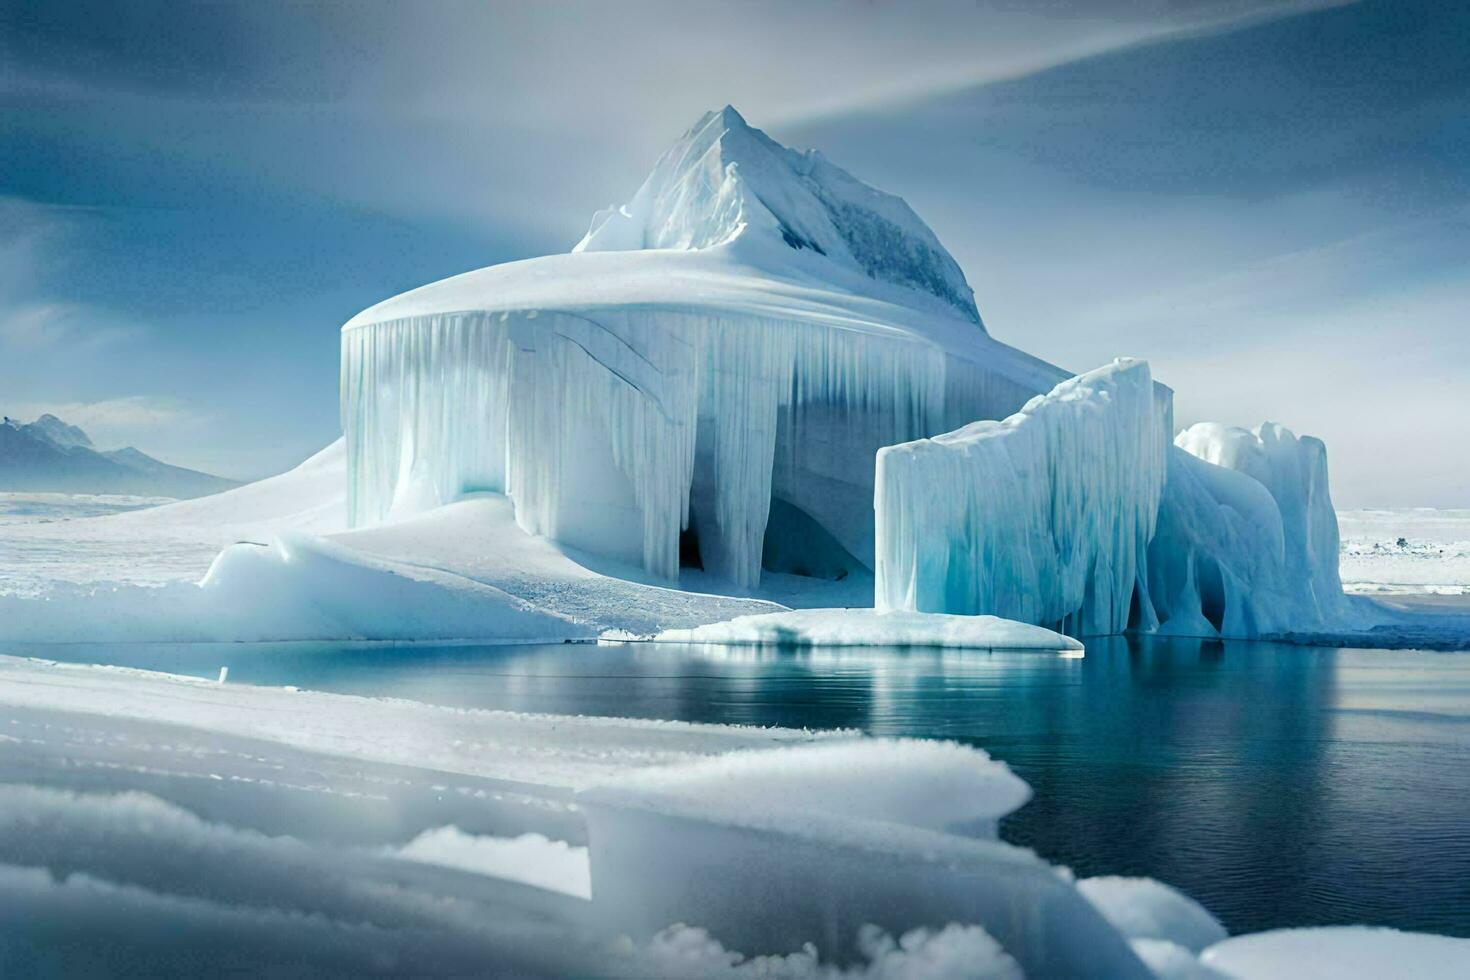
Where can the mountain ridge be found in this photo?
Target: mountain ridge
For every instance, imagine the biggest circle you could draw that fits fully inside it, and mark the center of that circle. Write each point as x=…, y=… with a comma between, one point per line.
x=52, y=456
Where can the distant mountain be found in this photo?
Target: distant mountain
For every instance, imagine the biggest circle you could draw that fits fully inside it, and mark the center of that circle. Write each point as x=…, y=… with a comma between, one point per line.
x=50, y=455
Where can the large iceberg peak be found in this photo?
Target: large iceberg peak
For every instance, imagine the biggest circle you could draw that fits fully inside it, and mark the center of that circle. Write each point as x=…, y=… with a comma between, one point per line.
x=724, y=181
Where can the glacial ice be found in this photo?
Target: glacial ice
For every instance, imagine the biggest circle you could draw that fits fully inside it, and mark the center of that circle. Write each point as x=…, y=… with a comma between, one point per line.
x=754, y=326
x=1247, y=541
x=1044, y=517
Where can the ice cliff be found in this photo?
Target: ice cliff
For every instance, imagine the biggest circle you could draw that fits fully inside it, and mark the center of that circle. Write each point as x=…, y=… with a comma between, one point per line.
x=1247, y=541
x=1044, y=517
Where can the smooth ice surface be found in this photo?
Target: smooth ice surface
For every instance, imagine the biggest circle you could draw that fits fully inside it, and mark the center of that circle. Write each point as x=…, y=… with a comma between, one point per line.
x=1142, y=908
x=688, y=376
x=1340, y=953
x=1247, y=541
x=1044, y=517
x=871, y=627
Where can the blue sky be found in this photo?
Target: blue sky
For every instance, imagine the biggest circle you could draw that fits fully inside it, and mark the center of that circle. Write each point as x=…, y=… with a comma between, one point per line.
x=1269, y=201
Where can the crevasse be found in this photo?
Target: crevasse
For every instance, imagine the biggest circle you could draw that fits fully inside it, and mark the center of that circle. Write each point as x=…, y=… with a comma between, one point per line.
x=1044, y=517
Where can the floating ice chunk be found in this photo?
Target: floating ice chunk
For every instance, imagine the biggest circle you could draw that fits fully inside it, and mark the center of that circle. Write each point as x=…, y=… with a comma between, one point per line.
x=1044, y=517
x=1142, y=908
x=869, y=627
x=1340, y=953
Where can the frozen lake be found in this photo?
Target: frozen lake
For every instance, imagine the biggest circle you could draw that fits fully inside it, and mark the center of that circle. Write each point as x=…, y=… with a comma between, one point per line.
x=1278, y=785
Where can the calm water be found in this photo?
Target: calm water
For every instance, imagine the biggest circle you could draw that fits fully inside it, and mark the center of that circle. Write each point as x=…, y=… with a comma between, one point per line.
x=1279, y=785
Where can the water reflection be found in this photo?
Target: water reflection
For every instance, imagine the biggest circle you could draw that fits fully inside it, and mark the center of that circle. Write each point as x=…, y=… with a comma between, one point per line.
x=1280, y=785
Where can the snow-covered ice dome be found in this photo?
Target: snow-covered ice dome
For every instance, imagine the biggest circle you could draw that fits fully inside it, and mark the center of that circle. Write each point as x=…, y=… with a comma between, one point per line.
x=725, y=353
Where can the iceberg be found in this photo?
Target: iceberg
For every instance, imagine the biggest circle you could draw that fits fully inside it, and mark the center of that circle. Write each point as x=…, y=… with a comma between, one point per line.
x=1044, y=517
x=1247, y=541
x=750, y=329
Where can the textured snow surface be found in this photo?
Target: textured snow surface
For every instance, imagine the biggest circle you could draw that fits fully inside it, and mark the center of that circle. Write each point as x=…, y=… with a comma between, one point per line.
x=1405, y=551
x=1044, y=517
x=914, y=783
x=953, y=953
x=544, y=750
x=176, y=542
x=724, y=182
x=1340, y=953
x=870, y=627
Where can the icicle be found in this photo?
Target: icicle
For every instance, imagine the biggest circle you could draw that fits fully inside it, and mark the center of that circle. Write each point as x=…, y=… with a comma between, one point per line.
x=685, y=405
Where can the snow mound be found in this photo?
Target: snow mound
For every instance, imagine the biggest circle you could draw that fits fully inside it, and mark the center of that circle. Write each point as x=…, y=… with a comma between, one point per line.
x=297, y=587
x=1044, y=517
x=910, y=782
x=1340, y=953
x=724, y=182
x=1142, y=908
x=870, y=627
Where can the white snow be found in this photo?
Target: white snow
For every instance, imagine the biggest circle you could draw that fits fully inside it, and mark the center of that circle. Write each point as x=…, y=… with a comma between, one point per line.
x=530, y=858
x=1044, y=517
x=726, y=183
x=1405, y=551
x=176, y=542
x=1142, y=908
x=871, y=627
x=1340, y=953
x=687, y=377
x=539, y=750
x=953, y=953
x=910, y=782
